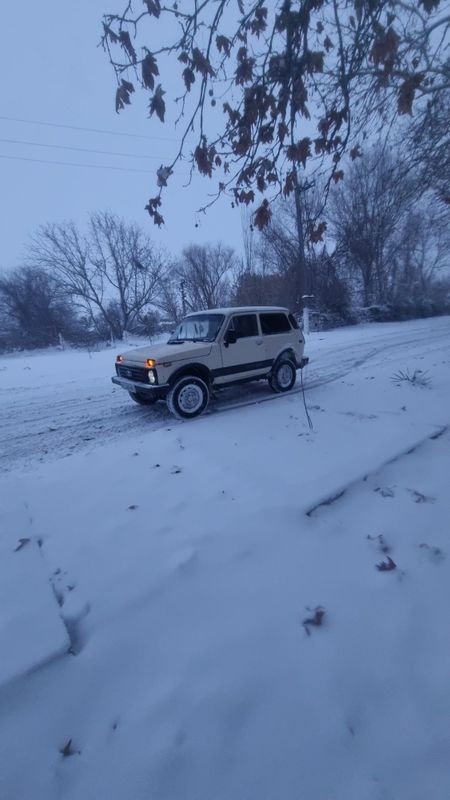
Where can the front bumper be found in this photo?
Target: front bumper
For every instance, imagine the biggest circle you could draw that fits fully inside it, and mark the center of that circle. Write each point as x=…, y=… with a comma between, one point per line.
x=144, y=388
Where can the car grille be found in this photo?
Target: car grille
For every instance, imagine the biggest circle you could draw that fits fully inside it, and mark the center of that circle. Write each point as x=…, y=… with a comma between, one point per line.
x=132, y=373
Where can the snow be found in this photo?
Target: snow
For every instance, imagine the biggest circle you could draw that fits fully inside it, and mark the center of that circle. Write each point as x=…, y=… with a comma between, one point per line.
x=31, y=630
x=185, y=562
x=55, y=404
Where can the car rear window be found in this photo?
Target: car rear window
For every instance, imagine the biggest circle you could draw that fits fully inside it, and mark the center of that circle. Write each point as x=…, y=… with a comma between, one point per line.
x=245, y=325
x=274, y=323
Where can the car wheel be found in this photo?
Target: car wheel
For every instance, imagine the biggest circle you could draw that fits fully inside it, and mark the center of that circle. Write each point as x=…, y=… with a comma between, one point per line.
x=143, y=399
x=283, y=375
x=188, y=397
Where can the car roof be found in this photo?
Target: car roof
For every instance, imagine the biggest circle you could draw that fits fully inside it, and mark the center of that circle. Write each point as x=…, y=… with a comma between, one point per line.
x=240, y=310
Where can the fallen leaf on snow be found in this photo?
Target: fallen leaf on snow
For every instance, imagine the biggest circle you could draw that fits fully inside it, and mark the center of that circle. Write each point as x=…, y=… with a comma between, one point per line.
x=386, y=566
x=68, y=750
x=314, y=621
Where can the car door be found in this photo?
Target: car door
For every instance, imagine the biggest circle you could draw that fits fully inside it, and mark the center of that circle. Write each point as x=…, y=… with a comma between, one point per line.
x=245, y=357
x=278, y=333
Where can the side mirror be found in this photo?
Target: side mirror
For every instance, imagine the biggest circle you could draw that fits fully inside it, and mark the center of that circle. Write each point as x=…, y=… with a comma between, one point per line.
x=230, y=338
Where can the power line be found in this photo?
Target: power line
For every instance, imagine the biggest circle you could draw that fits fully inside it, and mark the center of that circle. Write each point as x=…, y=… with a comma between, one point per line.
x=74, y=164
x=80, y=149
x=88, y=130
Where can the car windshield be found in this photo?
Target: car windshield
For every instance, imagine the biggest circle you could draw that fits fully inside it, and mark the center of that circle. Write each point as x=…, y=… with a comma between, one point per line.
x=198, y=328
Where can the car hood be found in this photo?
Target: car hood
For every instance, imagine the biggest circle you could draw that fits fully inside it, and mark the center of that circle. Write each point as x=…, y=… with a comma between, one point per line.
x=167, y=352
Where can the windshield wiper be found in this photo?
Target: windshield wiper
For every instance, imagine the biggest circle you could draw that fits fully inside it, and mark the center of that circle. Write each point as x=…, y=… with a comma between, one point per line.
x=188, y=339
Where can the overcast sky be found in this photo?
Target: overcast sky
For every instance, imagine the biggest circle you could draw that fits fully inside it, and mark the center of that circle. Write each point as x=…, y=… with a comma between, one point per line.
x=54, y=72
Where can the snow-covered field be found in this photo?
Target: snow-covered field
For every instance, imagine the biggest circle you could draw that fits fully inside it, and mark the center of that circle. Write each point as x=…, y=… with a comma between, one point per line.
x=184, y=559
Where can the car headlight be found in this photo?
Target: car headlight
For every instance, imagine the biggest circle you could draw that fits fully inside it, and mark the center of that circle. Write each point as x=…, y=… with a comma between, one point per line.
x=152, y=376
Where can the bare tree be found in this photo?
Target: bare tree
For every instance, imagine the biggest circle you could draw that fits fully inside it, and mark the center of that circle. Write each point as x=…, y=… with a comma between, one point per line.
x=171, y=297
x=128, y=264
x=204, y=273
x=112, y=272
x=261, y=288
x=35, y=309
x=278, y=243
x=366, y=214
x=425, y=144
x=421, y=251
x=273, y=276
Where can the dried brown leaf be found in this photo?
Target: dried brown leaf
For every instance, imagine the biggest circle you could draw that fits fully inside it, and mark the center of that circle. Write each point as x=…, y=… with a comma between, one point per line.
x=123, y=95
x=125, y=41
x=149, y=70
x=188, y=77
x=262, y=215
x=157, y=105
x=153, y=7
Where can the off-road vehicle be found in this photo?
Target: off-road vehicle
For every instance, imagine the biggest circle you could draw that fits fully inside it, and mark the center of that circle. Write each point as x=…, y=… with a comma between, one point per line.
x=211, y=349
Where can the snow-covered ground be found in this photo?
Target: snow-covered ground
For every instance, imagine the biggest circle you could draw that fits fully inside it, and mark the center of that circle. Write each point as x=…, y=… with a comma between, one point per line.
x=184, y=560
x=54, y=404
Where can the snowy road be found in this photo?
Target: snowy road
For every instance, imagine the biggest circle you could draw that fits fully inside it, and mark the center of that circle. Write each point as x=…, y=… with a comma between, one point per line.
x=54, y=404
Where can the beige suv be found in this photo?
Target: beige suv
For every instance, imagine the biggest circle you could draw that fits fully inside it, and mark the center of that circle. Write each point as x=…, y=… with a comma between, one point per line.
x=210, y=349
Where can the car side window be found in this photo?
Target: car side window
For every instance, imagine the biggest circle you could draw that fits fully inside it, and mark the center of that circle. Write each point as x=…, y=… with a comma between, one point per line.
x=294, y=322
x=274, y=323
x=244, y=325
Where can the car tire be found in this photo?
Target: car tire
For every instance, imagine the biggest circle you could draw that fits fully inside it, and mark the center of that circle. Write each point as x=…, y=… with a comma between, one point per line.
x=143, y=399
x=188, y=397
x=283, y=375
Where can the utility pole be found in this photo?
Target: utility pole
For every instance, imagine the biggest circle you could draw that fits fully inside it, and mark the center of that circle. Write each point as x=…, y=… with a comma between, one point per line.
x=301, y=261
x=303, y=300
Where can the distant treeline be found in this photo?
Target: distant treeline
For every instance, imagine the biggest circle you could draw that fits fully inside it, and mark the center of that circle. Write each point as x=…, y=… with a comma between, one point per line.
x=385, y=255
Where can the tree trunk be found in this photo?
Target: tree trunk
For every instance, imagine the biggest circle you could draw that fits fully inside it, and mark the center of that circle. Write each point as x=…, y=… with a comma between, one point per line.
x=301, y=261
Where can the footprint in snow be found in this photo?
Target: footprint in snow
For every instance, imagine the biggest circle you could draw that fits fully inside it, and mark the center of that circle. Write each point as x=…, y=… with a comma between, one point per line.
x=431, y=553
x=358, y=416
x=68, y=750
x=385, y=491
x=418, y=497
x=73, y=612
x=380, y=543
x=185, y=562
